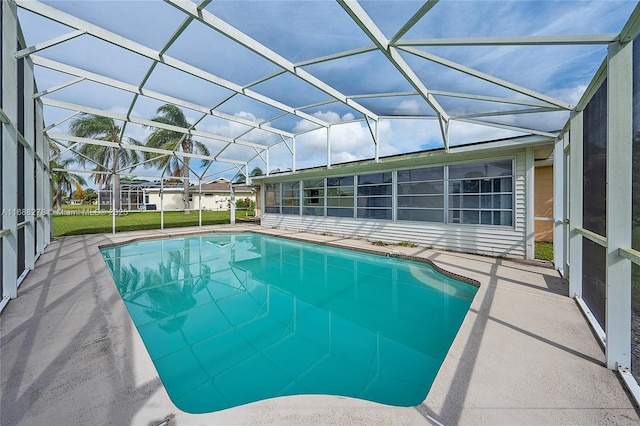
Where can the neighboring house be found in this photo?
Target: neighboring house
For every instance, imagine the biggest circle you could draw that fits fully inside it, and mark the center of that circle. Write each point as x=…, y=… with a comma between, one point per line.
x=215, y=195
x=139, y=195
x=75, y=202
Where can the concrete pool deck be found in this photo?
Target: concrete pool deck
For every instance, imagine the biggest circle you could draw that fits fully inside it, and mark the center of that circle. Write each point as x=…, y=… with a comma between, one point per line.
x=69, y=353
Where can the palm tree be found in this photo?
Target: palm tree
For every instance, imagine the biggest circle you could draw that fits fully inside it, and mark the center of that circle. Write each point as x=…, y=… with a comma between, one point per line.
x=108, y=159
x=62, y=180
x=174, y=141
x=256, y=171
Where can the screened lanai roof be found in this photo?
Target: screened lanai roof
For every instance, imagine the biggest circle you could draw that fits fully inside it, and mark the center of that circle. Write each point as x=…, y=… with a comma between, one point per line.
x=293, y=84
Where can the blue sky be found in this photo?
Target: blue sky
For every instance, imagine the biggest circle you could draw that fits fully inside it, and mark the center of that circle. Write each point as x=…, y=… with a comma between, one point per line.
x=303, y=30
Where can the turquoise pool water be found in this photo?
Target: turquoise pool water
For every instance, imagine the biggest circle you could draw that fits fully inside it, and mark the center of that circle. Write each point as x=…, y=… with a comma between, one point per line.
x=233, y=318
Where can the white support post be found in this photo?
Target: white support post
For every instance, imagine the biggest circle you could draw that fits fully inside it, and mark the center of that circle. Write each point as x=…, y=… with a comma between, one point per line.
x=619, y=181
x=200, y=202
x=293, y=154
x=42, y=206
x=113, y=206
x=9, y=77
x=558, y=206
x=377, y=132
x=46, y=184
x=329, y=147
x=29, y=167
x=232, y=202
x=575, y=203
x=162, y=203
x=530, y=194
x=268, y=163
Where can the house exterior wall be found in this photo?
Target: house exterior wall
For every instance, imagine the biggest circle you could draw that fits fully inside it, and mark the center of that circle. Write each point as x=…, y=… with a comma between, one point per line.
x=544, y=204
x=170, y=201
x=492, y=240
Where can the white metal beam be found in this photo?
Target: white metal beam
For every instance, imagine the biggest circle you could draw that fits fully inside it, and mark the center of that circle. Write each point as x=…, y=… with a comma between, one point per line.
x=618, y=204
x=88, y=75
x=487, y=77
x=360, y=17
x=335, y=56
x=57, y=87
x=238, y=36
x=507, y=127
x=29, y=167
x=575, y=189
x=496, y=99
x=9, y=76
x=59, y=122
x=44, y=45
x=426, y=7
x=117, y=40
x=76, y=139
x=562, y=39
x=559, y=195
x=505, y=112
x=145, y=122
x=530, y=203
x=632, y=27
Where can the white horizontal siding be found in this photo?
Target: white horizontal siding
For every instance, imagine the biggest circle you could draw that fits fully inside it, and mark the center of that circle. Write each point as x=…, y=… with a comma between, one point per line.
x=495, y=241
x=490, y=240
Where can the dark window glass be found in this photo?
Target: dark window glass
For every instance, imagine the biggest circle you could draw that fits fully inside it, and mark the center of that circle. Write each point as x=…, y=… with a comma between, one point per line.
x=340, y=212
x=476, y=170
x=374, y=202
x=340, y=181
x=341, y=191
x=290, y=210
x=421, y=188
x=340, y=201
x=470, y=186
x=374, y=214
x=374, y=178
x=374, y=190
x=313, y=211
x=421, y=215
x=425, y=201
x=424, y=174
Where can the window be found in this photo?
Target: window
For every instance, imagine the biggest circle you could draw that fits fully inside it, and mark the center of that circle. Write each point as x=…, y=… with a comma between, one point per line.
x=340, y=196
x=272, y=198
x=313, y=202
x=481, y=193
x=375, y=196
x=471, y=193
x=421, y=194
x=291, y=197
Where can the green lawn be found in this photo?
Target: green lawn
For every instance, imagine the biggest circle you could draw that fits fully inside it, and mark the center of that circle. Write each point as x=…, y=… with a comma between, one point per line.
x=133, y=221
x=544, y=250
x=78, y=207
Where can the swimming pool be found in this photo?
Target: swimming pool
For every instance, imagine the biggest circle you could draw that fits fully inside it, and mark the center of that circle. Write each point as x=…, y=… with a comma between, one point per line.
x=230, y=319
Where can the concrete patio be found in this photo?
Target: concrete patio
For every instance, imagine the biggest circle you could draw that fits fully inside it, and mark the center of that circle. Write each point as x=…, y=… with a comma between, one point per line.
x=524, y=355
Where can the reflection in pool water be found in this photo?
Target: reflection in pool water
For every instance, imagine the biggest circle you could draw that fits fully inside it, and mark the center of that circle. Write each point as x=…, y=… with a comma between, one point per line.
x=234, y=318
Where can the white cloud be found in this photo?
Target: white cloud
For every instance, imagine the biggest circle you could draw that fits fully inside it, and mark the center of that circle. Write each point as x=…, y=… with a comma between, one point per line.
x=408, y=107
